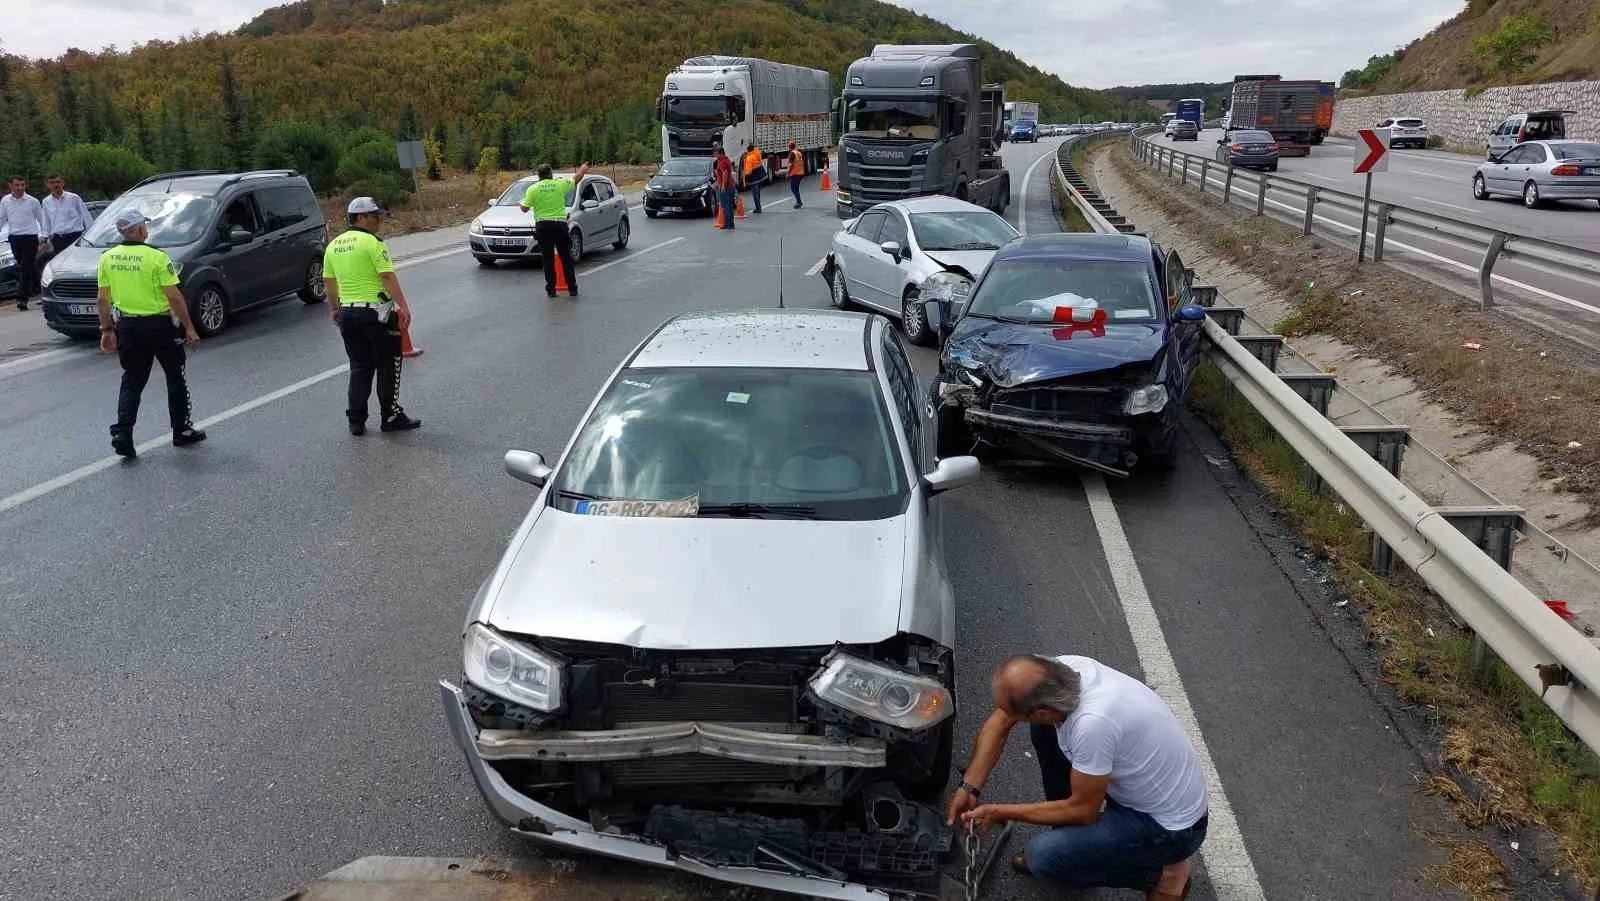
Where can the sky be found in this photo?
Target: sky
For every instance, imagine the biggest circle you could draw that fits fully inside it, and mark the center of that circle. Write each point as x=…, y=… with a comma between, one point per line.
x=1090, y=43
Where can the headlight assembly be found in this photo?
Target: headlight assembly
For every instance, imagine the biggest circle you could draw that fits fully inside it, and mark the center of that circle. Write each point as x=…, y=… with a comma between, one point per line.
x=1149, y=399
x=947, y=286
x=511, y=669
x=477, y=226
x=881, y=693
x=45, y=277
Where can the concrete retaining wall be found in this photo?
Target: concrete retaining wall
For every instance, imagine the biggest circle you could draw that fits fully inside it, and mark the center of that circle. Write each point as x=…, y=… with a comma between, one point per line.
x=1466, y=121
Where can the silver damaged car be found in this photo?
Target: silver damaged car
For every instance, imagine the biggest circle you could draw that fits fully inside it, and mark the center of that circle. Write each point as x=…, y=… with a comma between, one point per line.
x=721, y=640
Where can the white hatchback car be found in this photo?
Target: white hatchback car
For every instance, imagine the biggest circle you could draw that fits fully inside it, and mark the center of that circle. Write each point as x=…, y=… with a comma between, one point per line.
x=597, y=214
x=899, y=254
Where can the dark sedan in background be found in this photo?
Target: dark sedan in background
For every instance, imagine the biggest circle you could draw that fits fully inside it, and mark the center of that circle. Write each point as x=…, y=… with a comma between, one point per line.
x=1248, y=149
x=683, y=184
x=1185, y=130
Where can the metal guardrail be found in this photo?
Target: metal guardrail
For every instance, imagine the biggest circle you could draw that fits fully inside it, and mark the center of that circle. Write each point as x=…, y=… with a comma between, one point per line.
x=1449, y=548
x=1489, y=246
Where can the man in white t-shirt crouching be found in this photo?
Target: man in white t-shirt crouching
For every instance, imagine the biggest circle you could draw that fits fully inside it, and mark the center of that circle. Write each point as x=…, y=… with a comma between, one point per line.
x=1122, y=783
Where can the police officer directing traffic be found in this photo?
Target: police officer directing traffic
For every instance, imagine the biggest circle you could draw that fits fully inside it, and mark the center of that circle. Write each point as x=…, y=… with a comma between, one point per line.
x=365, y=301
x=547, y=198
x=140, y=283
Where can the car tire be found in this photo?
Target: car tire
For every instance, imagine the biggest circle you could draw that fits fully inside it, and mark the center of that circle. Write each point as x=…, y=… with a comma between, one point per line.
x=577, y=246
x=1159, y=456
x=314, y=290
x=838, y=291
x=1530, y=196
x=650, y=214
x=484, y=261
x=1480, y=188
x=209, y=309
x=914, y=320
x=1272, y=168
x=622, y=235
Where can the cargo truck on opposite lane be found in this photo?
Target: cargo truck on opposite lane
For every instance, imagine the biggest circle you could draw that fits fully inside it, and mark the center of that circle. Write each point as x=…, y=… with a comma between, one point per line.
x=734, y=100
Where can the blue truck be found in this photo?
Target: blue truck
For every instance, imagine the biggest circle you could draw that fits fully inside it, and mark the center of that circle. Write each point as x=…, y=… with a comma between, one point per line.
x=1193, y=109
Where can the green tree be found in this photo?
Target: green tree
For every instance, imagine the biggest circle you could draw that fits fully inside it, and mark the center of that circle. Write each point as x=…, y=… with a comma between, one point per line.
x=364, y=134
x=99, y=170
x=1514, y=45
x=410, y=124
x=373, y=169
x=304, y=146
x=488, y=171
x=434, y=157
x=235, y=143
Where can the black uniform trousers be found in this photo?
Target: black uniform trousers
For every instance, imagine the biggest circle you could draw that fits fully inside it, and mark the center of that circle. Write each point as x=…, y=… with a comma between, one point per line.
x=555, y=242
x=26, y=249
x=373, y=347
x=143, y=341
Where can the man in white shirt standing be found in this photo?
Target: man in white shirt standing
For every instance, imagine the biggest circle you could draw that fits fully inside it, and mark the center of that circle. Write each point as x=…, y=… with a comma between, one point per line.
x=65, y=214
x=23, y=220
x=1122, y=783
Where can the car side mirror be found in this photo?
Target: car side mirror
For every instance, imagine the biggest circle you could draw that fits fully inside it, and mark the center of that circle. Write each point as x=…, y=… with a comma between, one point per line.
x=892, y=248
x=589, y=205
x=490, y=202
x=1191, y=313
x=527, y=466
x=238, y=236
x=952, y=472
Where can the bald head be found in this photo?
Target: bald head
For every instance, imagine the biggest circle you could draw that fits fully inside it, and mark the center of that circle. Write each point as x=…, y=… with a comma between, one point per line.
x=1038, y=689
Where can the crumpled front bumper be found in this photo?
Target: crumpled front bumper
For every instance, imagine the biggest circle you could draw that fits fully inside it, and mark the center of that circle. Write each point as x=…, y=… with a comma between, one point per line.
x=550, y=826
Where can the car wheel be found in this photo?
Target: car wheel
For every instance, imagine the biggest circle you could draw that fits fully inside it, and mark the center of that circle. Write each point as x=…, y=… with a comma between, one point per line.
x=1530, y=195
x=622, y=235
x=210, y=310
x=650, y=214
x=839, y=295
x=484, y=261
x=577, y=246
x=914, y=320
x=1158, y=455
x=1272, y=168
x=1480, y=188
x=315, y=290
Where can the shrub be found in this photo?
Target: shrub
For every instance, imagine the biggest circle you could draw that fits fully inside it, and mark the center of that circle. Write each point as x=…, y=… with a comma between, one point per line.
x=99, y=170
x=1435, y=140
x=365, y=134
x=1514, y=45
x=374, y=169
x=434, y=156
x=305, y=146
x=488, y=171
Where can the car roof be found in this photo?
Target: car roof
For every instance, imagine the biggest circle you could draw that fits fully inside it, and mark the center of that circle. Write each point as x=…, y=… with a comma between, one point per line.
x=1078, y=245
x=934, y=203
x=213, y=182
x=763, y=338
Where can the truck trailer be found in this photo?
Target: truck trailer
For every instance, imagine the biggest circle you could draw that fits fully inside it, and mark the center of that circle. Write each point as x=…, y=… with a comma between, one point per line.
x=917, y=120
x=1287, y=109
x=735, y=100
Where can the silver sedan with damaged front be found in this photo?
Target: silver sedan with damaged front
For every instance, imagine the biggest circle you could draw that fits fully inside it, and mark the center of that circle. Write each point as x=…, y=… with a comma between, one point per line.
x=721, y=639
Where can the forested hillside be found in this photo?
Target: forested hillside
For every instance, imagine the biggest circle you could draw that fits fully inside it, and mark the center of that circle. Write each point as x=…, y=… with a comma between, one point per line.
x=539, y=79
x=1215, y=95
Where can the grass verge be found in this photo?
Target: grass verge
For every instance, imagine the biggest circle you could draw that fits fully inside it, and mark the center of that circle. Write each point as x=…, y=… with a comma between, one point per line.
x=1515, y=763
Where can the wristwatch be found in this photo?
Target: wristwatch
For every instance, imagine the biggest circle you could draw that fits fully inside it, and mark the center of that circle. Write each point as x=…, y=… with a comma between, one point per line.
x=970, y=789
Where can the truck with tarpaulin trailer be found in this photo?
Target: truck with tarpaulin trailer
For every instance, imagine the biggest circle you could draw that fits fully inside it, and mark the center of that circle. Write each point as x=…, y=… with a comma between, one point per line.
x=734, y=100
x=1327, y=93
x=1286, y=109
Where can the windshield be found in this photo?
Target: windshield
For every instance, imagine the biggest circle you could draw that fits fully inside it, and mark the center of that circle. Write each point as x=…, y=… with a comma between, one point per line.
x=518, y=190
x=966, y=230
x=684, y=165
x=1031, y=290
x=803, y=442
x=175, y=219
x=895, y=118
x=697, y=112
x=1576, y=151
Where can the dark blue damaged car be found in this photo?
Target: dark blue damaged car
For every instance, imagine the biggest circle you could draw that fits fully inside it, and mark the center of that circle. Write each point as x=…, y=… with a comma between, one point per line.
x=1070, y=347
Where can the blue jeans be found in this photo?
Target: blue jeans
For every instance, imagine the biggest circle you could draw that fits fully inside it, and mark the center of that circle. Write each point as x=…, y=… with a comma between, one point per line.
x=1122, y=848
x=726, y=199
x=794, y=188
x=755, y=193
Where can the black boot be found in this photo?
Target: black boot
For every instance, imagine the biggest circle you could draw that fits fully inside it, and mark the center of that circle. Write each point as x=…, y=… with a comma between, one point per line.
x=122, y=444
x=187, y=436
x=400, y=422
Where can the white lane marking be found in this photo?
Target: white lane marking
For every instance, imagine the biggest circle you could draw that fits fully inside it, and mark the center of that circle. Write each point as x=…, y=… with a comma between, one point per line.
x=429, y=256
x=632, y=256
x=40, y=357
x=1022, y=202
x=1228, y=865
x=816, y=267
x=104, y=463
x=1453, y=206
x=1450, y=178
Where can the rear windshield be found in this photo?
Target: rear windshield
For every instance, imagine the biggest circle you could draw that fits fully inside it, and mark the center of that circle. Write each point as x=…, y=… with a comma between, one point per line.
x=1253, y=137
x=1576, y=151
x=1409, y=123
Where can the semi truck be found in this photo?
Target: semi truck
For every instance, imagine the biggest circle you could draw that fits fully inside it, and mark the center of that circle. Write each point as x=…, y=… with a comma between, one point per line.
x=917, y=119
x=1019, y=111
x=734, y=100
x=1327, y=93
x=1193, y=109
x=1287, y=109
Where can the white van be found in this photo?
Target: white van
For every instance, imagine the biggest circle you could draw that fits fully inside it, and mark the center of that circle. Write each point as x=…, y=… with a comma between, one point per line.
x=1542, y=125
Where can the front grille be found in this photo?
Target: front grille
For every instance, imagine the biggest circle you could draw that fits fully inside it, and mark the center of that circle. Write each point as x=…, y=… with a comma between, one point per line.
x=709, y=701
x=880, y=183
x=1080, y=403
x=74, y=287
x=511, y=231
x=680, y=769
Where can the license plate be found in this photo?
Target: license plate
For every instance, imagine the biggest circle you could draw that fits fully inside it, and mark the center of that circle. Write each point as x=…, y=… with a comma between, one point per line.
x=672, y=209
x=507, y=242
x=1591, y=170
x=82, y=309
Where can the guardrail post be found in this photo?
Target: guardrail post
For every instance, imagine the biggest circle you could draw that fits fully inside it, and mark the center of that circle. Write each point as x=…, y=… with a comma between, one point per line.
x=1382, y=229
x=1486, y=270
x=1205, y=170
x=1185, y=179
x=1172, y=157
x=1227, y=186
x=1261, y=196
x=1311, y=207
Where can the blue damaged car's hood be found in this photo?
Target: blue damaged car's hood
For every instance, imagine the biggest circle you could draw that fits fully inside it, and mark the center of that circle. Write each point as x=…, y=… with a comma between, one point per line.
x=1008, y=355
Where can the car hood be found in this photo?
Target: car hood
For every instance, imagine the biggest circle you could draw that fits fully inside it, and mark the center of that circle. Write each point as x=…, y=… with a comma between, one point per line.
x=678, y=182
x=82, y=261
x=506, y=217
x=702, y=583
x=972, y=262
x=1010, y=355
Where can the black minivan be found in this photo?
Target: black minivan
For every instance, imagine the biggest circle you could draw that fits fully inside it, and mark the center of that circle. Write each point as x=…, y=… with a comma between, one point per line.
x=238, y=240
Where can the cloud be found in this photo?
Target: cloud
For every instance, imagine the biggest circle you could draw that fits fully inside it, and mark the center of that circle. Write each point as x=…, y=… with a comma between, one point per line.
x=1093, y=43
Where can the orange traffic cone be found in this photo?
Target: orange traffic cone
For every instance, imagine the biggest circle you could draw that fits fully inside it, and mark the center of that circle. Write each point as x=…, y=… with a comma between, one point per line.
x=563, y=287
x=827, y=184
x=738, y=207
x=407, y=349
x=717, y=222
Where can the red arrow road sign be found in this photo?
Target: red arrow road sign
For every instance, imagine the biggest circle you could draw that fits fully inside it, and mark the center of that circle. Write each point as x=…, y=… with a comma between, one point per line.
x=1372, y=151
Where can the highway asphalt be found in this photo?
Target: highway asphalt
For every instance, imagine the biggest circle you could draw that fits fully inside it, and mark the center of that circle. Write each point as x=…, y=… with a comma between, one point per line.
x=220, y=661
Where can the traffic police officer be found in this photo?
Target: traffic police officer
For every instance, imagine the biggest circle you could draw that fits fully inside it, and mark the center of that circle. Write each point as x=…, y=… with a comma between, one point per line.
x=365, y=301
x=140, y=283
x=547, y=198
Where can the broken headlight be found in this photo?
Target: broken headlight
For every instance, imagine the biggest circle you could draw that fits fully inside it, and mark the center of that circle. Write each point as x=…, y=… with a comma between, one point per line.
x=511, y=669
x=1149, y=399
x=947, y=286
x=882, y=693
